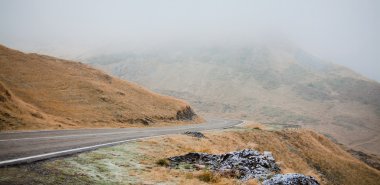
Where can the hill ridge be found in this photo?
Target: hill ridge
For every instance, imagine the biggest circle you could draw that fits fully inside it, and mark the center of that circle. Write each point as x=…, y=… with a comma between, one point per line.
x=74, y=95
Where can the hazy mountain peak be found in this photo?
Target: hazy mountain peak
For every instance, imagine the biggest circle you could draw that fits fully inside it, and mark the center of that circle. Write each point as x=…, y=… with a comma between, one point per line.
x=271, y=83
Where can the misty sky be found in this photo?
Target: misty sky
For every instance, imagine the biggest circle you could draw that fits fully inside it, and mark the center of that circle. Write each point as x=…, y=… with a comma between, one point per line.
x=341, y=31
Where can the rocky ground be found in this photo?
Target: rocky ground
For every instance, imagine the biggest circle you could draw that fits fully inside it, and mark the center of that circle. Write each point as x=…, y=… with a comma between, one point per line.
x=291, y=179
x=245, y=164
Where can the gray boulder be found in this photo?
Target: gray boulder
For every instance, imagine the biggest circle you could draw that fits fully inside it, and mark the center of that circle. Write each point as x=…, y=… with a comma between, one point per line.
x=291, y=179
x=195, y=134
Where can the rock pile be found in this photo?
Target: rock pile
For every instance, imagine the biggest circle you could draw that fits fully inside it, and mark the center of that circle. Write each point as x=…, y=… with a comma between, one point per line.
x=186, y=114
x=245, y=164
x=194, y=134
x=291, y=179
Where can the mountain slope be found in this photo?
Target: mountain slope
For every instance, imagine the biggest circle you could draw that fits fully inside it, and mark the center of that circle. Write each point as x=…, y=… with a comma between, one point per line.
x=268, y=83
x=41, y=92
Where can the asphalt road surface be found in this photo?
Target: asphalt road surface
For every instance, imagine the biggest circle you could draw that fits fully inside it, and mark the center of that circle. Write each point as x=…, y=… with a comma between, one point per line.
x=30, y=146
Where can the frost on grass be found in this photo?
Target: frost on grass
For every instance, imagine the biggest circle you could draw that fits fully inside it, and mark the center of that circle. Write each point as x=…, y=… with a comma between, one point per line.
x=113, y=164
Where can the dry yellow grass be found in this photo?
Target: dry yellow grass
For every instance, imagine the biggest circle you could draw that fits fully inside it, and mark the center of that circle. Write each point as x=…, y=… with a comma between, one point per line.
x=295, y=150
x=50, y=93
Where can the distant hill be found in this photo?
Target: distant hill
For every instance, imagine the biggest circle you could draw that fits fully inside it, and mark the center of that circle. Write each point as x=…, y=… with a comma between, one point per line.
x=43, y=92
x=272, y=84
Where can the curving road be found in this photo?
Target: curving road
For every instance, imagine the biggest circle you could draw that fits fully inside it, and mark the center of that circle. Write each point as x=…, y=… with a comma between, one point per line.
x=30, y=146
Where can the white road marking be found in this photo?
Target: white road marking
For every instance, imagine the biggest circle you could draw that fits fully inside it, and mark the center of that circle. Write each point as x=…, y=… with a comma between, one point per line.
x=241, y=124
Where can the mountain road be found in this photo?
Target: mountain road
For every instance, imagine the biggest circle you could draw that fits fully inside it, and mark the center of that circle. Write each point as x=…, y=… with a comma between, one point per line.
x=24, y=147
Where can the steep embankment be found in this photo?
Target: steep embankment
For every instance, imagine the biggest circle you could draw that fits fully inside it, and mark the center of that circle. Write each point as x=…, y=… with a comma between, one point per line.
x=267, y=83
x=42, y=92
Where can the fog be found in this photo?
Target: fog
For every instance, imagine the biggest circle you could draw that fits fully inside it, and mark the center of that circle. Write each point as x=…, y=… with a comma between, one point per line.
x=341, y=31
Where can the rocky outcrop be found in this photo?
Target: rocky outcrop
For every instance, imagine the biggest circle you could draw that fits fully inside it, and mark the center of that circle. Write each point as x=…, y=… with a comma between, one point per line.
x=186, y=114
x=244, y=164
x=291, y=179
x=194, y=134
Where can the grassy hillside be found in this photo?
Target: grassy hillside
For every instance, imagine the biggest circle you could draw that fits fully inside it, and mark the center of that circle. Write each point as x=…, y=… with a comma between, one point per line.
x=267, y=83
x=42, y=92
x=295, y=150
